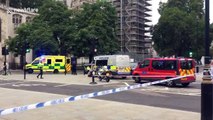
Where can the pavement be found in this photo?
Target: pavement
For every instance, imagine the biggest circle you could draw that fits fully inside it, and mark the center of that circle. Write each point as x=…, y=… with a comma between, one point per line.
x=88, y=109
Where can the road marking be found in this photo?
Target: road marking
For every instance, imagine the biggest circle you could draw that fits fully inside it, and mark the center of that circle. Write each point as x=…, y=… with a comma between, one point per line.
x=63, y=85
x=10, y=83
x=174, y=91
x=126, y=83
x=28, y=85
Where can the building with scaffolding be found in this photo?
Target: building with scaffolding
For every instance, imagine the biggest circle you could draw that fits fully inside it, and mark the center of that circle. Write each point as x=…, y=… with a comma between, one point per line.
x=134, y=29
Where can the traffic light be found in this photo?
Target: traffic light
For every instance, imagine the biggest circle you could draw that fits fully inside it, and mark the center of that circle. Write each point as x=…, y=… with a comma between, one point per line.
x=190, y=54
x=4, y=51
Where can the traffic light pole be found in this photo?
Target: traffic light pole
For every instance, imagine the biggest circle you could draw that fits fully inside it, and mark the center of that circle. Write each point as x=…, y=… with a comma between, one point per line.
x=25, y=48
x=5, y=61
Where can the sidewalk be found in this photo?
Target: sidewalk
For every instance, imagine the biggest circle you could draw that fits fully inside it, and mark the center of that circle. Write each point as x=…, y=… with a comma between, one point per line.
x=88, y=109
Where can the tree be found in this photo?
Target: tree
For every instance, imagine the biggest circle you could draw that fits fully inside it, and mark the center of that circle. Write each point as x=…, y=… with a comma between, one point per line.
x=211, y=38
x=95, y=29
x=45, y=33
x=24, y=3
x=180, y=28
x=57, y=30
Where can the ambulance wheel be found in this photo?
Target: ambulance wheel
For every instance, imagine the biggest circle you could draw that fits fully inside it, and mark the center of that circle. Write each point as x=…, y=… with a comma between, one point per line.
x=30, y=71
x=185, y=84
x=55, y=71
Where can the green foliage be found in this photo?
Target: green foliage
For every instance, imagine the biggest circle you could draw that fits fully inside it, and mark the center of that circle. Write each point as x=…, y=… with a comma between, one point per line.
x=180, y=28
x=57, y=30
x=94, y=28
x=45, y=33
x=25, y=3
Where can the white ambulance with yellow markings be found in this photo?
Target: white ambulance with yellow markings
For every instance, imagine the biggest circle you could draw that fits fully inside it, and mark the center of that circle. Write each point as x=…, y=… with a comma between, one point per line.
x=115, y=65
x=51, y=63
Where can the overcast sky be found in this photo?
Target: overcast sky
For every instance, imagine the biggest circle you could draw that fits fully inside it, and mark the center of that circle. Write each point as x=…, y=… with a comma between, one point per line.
x=155, y=6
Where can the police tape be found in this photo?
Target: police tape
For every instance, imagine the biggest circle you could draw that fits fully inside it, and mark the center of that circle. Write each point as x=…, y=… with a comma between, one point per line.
x=80, y=97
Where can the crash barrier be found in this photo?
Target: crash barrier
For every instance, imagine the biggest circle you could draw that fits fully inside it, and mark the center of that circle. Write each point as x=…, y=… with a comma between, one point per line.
x=80, y=97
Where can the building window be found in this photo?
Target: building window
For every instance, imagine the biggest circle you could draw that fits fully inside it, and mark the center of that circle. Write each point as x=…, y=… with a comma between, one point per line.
x=17, y=19
x=28, y=19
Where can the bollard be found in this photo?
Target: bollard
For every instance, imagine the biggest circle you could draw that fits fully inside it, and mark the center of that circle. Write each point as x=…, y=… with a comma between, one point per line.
x=93, y=78
x=206, y=97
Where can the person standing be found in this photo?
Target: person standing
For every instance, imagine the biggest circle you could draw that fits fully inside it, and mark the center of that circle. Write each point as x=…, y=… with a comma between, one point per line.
x=211, y=69
x=40, y=66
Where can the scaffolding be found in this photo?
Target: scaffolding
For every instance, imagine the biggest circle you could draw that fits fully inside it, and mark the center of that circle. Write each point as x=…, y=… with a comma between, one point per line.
x=134, y=18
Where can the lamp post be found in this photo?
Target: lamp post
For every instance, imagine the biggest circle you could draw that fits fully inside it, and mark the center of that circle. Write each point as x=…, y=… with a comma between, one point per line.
x=207, y=84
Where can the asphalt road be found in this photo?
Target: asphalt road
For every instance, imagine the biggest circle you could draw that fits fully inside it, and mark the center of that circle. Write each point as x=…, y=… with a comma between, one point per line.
x=180, y=98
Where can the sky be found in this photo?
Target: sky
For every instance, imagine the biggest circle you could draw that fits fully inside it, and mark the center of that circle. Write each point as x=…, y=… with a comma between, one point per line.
x=155, y=15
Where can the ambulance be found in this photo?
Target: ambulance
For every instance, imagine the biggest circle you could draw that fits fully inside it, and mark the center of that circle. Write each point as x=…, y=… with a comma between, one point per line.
x=51, y=63
x=115, y=65
x=152, y=69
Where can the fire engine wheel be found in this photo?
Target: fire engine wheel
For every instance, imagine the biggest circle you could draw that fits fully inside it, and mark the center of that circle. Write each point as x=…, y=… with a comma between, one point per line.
x=171, y=83
x=55, y=71
x=30, y=71
x=185, y=84
x=137, y=79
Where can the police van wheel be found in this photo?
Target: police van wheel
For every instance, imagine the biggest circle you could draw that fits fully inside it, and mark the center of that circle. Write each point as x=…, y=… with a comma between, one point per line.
x=30, y=71
x=55, y=71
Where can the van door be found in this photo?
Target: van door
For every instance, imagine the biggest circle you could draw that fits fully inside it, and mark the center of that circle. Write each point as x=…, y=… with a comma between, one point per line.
x=161, y=69
x=143, y=69
x=49, y=62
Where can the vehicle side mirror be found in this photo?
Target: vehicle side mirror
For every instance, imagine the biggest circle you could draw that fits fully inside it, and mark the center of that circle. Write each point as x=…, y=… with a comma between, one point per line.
x=141, y=65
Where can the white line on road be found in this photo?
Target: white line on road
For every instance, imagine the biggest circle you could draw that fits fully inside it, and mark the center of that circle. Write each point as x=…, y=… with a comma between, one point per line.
x=28, y=85
x=63, y=85
x=10, y=83
x=126, y=83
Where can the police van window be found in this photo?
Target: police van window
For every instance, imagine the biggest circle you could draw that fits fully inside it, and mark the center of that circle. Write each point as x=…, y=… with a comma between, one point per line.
x=58, y=60
x=144, y=64
x=35, y=62
x=101, y=62
x=48, y=61
x=164, y=64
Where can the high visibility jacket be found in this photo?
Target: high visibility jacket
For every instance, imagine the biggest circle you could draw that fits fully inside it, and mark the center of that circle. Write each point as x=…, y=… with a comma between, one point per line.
x=40, y=65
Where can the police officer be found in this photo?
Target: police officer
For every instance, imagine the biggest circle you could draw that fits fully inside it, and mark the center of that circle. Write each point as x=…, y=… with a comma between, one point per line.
x=40, y=66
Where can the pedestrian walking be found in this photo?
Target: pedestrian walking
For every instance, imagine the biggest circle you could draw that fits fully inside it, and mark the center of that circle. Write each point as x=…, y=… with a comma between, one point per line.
x=40, y=65
x=8, y=68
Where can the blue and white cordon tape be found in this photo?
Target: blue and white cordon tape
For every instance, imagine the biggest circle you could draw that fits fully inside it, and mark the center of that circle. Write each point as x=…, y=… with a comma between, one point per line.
x=79, y=97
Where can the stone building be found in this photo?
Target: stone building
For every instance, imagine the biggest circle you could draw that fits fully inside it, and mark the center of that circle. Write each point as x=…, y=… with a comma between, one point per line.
x=10, y=19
